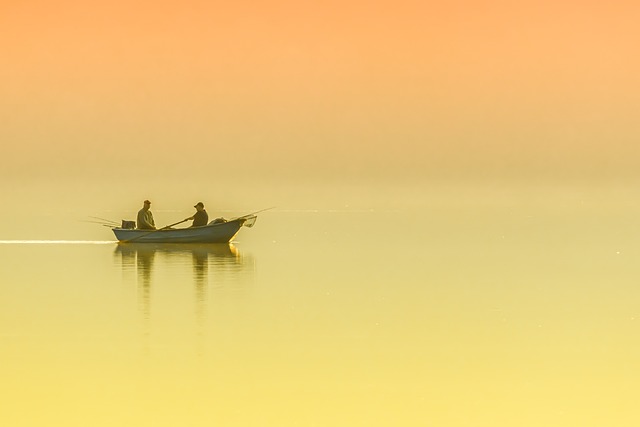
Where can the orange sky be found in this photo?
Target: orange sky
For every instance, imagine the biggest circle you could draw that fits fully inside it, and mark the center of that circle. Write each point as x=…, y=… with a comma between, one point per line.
x=368, y=90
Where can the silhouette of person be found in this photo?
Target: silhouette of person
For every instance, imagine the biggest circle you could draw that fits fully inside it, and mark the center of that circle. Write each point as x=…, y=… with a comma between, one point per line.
x=201, y=217
x=145, y=217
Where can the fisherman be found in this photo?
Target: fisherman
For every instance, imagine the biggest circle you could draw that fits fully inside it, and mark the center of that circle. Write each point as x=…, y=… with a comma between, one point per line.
x=145, y=217
x=201, y=217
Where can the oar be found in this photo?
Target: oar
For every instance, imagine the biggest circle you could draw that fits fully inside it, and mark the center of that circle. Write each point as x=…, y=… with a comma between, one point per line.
x=153, y=231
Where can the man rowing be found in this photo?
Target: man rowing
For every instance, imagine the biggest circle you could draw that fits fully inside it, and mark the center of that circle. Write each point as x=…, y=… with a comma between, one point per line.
x=201, y=217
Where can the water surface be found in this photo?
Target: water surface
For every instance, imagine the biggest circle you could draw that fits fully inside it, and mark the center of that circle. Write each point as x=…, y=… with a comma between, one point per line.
x=482, y=310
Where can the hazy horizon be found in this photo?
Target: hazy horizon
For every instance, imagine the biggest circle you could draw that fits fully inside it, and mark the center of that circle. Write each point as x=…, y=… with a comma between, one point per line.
x=392, y=92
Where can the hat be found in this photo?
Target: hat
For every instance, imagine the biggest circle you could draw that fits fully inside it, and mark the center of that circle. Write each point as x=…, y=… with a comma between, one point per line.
x=199, y=204
x=146, y=201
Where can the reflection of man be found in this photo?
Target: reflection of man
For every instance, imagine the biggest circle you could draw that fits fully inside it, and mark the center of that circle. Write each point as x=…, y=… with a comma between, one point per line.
x=201, y=217
x=145, y=217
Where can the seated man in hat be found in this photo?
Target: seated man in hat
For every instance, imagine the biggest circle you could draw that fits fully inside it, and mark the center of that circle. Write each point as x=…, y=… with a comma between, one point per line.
x=145, y=217
x=201, y=217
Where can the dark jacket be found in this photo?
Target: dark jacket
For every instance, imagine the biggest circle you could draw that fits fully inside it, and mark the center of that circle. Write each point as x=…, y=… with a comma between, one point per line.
x=200, y=218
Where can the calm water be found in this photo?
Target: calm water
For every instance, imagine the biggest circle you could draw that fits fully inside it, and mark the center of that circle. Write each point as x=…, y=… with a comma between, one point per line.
x=472, y=309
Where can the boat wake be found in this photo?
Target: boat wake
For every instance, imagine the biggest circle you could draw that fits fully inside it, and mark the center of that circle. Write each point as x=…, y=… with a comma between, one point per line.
x=57, y=242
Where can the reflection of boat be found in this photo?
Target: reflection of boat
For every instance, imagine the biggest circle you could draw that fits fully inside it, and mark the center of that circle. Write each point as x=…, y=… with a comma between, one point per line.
x=212, y=233
x=162, y=272
x=222, y=250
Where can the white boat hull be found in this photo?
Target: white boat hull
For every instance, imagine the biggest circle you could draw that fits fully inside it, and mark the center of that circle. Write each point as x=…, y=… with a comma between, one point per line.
x=211, y=233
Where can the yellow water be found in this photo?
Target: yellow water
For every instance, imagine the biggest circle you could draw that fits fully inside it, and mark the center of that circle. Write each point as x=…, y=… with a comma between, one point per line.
x=460, y=306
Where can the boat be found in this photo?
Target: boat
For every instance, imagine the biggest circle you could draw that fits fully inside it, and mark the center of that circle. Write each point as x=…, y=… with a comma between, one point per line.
x=214, y=232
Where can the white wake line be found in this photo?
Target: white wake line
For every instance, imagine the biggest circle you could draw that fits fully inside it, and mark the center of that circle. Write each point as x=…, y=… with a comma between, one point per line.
x=57, y=242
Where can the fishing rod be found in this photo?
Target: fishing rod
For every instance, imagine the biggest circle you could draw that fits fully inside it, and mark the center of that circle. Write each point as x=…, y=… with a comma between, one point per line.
x=253, y=213
x=105, y=220
x=106, y=224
